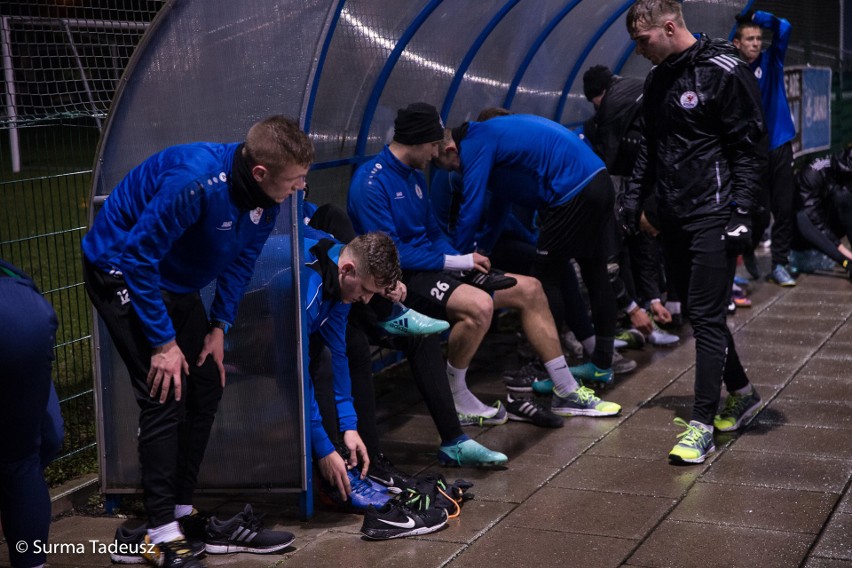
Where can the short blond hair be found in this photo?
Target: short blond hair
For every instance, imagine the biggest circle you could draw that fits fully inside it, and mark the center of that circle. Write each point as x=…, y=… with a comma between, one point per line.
x=654, y=13
x=277, y=142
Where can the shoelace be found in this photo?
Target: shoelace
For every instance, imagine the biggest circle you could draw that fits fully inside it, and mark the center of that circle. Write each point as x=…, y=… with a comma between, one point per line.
x=415, y=500
x=585, y=395
x=692, y=436
x=735, y=404
x=456, y=507
x=458, y=452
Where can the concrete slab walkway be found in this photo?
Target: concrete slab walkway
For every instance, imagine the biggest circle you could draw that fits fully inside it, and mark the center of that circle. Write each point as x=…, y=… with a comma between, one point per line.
x=599, y=492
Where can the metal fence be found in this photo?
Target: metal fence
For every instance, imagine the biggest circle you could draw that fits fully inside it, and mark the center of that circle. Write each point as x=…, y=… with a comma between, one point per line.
x=61, y=66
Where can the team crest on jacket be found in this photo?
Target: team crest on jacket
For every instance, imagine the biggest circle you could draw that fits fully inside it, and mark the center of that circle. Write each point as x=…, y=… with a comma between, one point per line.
x=255, y=215
x=418, y=191
x=689, y=100
x=758, y=73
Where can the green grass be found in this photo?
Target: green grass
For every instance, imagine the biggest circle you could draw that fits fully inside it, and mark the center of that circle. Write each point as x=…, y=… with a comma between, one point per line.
x=43, y=217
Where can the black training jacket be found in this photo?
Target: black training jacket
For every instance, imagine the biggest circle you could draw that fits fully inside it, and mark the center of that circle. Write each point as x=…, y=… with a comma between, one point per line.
x=705, y=138
x=816, y=185
x=615, y=132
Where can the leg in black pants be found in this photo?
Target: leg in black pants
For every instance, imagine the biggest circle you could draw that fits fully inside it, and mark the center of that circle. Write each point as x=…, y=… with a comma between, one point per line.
x=781, y=201
x=426, y=362
x=817, y=238
x=702, y=273
x=173, y=435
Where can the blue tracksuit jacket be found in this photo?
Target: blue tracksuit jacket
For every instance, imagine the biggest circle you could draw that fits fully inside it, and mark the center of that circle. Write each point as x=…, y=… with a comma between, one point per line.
x=386, y=195
x=171, y=225
x=328, y=316
x=519, y=147
x=769, y=70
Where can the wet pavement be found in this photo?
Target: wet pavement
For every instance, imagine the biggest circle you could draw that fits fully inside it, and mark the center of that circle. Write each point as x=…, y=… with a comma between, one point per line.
x=600, y=492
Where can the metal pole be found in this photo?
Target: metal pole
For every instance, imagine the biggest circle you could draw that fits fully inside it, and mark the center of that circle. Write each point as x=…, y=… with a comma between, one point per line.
x=9, y=77
x=82, y=73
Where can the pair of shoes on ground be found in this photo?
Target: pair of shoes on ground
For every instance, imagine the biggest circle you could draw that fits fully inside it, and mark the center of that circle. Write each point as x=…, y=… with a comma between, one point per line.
x=244, y=532
x=586, y=372
x=696, y=441
x=635, y=339
x=422, y=507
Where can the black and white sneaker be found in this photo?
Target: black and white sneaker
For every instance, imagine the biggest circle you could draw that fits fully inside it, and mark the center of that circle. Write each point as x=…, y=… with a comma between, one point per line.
x=522, y=380
x=490, y=281
x=409, y=513
x=383, y=472
x=244, y=532
x=132, y=546
x=528, y=410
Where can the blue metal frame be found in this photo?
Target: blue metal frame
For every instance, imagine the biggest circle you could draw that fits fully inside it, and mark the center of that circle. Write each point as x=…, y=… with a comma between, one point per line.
x=519, y=74
x=309, y=111
x=581, y=60
x=471, y=53
x=383, y=77
x=624, y=57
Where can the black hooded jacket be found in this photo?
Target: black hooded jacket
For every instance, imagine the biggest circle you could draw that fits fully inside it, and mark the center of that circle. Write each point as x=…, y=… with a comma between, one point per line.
x=615, y=130
x=816, y=185
x=705, y=138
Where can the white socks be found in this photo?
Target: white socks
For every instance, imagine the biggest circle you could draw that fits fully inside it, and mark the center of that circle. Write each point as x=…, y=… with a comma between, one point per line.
x=182, y=511
x=563, y=380
x=465, y=401
x=165, y=533
x=589, y=345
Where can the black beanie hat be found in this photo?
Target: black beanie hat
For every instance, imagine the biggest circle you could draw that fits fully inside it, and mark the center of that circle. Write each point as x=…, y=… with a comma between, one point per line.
x=418, y=123
x=596, y=80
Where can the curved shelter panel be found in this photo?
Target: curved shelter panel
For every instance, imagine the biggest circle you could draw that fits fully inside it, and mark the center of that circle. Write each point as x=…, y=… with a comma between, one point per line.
x=610, y=45
x=428, y=63
x=364, y=36
x=206, y=70
x=540, y=86
x=494, y=60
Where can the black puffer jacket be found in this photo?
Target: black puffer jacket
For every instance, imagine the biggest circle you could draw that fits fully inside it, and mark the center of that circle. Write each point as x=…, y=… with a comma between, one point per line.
x=705, y=138
x=615, y=131
x=816, y=186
